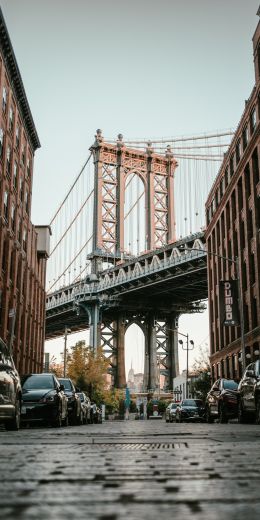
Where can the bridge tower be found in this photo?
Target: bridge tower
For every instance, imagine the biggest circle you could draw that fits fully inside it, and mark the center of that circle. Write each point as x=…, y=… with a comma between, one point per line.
x=113, y=164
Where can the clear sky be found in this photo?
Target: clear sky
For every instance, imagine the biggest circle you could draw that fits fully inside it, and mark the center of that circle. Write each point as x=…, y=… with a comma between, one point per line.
x=144, y=68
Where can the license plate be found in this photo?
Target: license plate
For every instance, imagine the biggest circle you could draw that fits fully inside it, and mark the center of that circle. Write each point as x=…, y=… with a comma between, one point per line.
x=26, y=409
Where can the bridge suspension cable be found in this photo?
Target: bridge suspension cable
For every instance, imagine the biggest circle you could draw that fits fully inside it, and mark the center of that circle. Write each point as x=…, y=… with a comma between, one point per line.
x=167, y=140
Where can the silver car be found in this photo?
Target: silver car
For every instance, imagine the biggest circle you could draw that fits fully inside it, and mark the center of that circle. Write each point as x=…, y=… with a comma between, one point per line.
x=10, y=390
x=170, y=412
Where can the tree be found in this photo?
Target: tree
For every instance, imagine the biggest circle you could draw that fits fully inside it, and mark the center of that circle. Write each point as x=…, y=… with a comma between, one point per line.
x=55, y=368
x=88, y=370
x=201, y=386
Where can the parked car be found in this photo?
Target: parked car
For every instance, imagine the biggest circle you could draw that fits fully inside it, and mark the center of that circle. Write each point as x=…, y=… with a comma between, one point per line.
x=249, y=394
x=74, y=404
x=222, y=401
x=43, y=400
x=170, y=412
x=85, y=406
x=190, y=410
x=95, y=414
x=10, y=390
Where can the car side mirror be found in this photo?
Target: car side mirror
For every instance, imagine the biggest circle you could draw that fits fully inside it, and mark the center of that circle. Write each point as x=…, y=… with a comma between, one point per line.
x=250, y=373
x=62, y=388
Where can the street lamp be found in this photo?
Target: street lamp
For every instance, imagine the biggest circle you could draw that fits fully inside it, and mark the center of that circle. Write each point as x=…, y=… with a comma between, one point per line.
x=187, y=348
x=235, y=261
x=67, y=330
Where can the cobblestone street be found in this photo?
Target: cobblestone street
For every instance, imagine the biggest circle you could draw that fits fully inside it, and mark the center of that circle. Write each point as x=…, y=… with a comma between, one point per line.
x=131, y=470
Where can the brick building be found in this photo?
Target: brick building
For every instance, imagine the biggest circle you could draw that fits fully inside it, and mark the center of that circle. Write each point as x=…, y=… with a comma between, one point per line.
x=233, y=230
x=23, y=247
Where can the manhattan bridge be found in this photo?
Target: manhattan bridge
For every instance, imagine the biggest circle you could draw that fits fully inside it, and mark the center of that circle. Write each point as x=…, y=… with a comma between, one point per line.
x=128, y=247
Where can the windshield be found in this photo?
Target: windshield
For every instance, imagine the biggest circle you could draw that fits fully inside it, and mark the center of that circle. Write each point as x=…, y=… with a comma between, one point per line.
x=189, y=402
x=230, y=385
x=173, y=406
x=67, y=384
x=38, y=382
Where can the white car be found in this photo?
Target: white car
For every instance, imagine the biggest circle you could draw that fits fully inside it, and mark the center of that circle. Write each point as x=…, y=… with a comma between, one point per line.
x=170, y=412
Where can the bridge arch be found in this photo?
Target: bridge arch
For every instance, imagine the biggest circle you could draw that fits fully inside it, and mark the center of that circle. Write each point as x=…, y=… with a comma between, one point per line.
x=135, y=354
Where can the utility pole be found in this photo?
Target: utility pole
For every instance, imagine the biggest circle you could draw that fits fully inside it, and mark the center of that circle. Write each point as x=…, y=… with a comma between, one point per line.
x=187, y=348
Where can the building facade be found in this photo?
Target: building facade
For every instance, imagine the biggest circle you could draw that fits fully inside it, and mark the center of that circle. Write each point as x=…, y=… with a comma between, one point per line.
x=233, y=232
x=23, y=247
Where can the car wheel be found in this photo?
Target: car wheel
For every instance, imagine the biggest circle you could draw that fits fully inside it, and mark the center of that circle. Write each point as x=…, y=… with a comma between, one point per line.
x=14, y=424
x=222, y=414
x=242, y=417
x=66, y=421
x=80, y=418
x=257, y=415
x=209, y=419
x=57, y=423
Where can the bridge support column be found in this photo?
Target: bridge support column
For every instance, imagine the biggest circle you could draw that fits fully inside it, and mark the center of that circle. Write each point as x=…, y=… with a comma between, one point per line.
x=151, y=354
x=121, y=379
x=172, y=358
x=95, y=328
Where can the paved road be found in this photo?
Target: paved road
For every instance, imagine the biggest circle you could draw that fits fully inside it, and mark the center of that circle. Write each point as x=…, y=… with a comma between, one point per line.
x=131, y=470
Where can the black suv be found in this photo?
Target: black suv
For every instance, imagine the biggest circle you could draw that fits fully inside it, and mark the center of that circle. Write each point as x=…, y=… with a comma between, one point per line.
x=221, y=401
x=74, y=404
x=10, y=390
x=249, y=394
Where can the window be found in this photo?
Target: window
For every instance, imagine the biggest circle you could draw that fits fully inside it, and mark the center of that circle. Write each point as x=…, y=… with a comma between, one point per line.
x=17, y=136
x=226, y=177
x=11, y=119
x=6, y=204
x=1, y=142
x=247, y=181
x=4, y=99
x=21, y=189
x=231, y=165
x=245, y=137
x=20, y=230
x=15, y=175
x=253, y=120
x=13, y=217
x=27, y=202
x=5, y=255
x=28, y=168
x=23, y=154
x=25, y=239
x=8, y=161
x=238, y=151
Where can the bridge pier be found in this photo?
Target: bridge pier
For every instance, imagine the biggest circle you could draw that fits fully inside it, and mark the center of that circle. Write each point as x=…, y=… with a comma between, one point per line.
x=150, y=348
x=94, y=328
x=172, y=358
x=120, y=369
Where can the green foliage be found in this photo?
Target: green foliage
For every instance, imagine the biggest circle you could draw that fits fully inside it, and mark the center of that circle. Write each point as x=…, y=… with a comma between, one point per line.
x=201, y=366
x=88, y=370
x=162, y=406
x=202, y=385
x=132, y=407
x=112, y=398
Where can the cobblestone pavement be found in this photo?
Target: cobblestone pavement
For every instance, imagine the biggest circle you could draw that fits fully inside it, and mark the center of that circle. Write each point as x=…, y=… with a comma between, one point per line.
x=131, y=470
